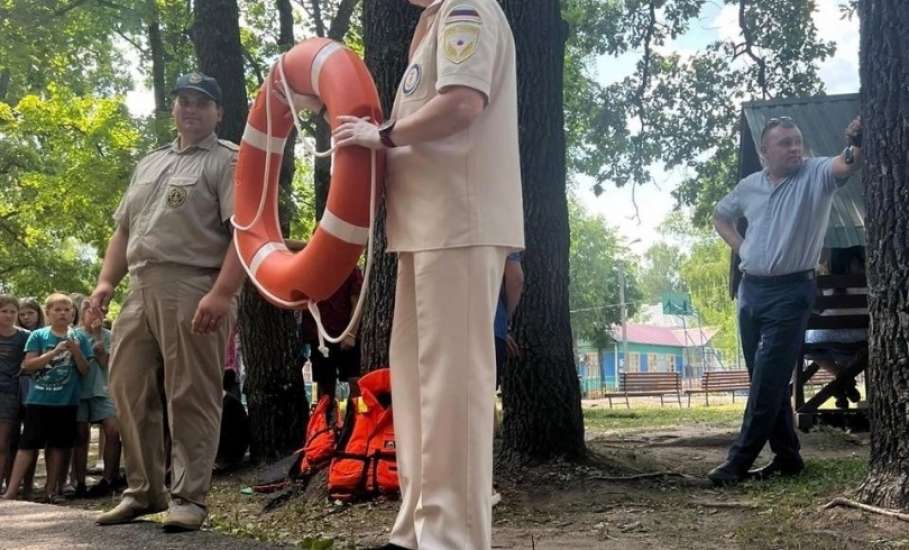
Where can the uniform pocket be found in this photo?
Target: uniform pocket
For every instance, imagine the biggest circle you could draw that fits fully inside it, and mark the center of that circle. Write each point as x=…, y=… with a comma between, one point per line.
x=179, y=189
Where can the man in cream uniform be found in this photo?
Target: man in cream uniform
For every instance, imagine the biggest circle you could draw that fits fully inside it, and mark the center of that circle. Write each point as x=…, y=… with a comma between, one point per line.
x=454, y=214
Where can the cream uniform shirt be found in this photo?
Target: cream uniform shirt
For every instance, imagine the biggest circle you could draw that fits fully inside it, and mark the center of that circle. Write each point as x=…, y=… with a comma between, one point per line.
x=178, y=204
x=465, y=189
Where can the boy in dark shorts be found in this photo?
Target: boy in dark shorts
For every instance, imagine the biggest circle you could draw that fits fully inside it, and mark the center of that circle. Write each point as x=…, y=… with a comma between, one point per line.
x=58, y=358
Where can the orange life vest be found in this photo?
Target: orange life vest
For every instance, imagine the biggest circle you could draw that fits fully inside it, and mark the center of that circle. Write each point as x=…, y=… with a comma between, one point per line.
x=365, y=462
x=321, y=438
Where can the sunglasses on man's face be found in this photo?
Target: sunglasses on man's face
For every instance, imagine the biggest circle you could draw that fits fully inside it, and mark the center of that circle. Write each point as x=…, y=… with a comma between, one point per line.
x=774, y=122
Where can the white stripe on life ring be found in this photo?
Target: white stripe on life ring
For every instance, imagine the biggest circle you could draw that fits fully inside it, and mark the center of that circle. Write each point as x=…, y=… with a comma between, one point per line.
x=264, y=253
x=260, y=140
x=319, y=62
x=347, y=232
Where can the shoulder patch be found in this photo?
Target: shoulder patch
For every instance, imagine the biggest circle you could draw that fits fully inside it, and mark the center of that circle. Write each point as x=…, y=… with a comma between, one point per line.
x=229, y=144
x=460, y=40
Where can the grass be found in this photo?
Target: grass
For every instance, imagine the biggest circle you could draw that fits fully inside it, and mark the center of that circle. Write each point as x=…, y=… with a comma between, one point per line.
x=787, y=505
x=639, y=417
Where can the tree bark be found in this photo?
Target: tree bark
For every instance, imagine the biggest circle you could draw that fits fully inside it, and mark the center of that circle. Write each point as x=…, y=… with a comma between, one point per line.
x=216, y=36
x=159, y=85
x=387, y=29
x=885, y=113
x=275, y=392
x=541, y=394
x=278, y=409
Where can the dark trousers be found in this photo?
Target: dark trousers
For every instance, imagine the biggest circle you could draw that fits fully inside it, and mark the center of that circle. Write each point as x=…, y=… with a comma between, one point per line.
x=773, y=312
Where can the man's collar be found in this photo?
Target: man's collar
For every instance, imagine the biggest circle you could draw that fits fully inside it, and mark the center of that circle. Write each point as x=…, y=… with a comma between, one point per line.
x=434, y=7
x=207, y=143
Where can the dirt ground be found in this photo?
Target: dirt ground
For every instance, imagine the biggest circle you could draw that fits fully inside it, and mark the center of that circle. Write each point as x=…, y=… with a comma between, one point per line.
x=569, y=506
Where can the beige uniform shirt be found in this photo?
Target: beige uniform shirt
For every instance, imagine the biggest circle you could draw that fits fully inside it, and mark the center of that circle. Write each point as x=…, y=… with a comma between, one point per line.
x=463, y=190
x=178, y=204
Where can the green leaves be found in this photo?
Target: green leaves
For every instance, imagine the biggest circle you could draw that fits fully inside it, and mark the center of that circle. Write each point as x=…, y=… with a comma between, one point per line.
x=64, y=162
x=594, y=255
x=678, y=109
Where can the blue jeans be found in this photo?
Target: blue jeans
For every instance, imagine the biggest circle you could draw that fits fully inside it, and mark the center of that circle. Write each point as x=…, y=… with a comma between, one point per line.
x=773, y=313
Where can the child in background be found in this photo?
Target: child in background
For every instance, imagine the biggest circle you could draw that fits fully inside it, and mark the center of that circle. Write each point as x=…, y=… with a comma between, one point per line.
x=96, y=406
x=31, y=318
x=58, y=358
x=12, y=351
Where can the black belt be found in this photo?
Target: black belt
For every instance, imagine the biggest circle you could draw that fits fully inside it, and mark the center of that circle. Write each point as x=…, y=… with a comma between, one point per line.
x=796, y=277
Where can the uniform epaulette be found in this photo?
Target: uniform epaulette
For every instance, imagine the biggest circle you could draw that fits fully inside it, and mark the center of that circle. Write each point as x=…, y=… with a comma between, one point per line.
x=229, y=144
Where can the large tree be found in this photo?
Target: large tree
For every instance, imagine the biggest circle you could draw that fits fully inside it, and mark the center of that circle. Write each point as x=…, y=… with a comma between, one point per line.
x=885, y=112
x=541, y=395
x=387, y=28
x=278, y=408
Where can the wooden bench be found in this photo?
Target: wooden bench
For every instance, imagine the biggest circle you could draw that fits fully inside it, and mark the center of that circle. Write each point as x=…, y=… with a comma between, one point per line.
x=647, y=384
x=722, y=381
x=809, y=374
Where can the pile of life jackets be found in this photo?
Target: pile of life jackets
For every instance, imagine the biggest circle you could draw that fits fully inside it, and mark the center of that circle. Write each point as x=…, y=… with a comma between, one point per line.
x=360, y=451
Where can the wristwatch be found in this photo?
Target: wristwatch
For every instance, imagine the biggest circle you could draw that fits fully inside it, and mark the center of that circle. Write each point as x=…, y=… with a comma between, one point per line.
x=848, y=155
x=385, y=131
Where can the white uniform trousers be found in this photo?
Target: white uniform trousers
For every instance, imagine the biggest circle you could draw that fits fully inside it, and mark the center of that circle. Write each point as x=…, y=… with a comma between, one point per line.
x=443, y=388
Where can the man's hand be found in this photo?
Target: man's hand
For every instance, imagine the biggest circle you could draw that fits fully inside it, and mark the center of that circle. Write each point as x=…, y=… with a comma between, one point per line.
x=212, y=309
x=357, y=131
x=349, y=342
x=854, y=132
x=101, y=298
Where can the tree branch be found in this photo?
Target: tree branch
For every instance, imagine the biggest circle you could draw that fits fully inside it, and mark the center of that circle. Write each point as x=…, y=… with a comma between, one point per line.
x=317, y=17
x=840, y=501
x=340, y=23
x=132, y=42
x=257, y=67
x=749, y=49
x=68, y=8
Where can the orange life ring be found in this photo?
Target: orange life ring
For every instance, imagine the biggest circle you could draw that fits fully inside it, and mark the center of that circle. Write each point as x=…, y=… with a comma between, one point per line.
x=339, y=78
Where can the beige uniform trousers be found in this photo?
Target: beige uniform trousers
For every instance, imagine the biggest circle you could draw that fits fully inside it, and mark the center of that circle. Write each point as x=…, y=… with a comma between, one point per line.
x=443, y=386
x=156, y=361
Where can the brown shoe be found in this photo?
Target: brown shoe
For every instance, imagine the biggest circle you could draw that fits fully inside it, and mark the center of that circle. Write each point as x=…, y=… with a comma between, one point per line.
x=184, y=515
x=127, y=511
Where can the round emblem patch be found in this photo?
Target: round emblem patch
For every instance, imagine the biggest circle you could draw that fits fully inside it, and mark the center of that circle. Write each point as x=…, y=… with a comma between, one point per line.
x=176, y=196
x=412, y=79
x=195, y=78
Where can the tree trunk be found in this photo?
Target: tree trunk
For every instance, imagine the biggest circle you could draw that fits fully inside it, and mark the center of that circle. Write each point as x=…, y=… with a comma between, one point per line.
x=387, y=28
x=156, y=47
x=286, y=208
x=278, y=410
x=275, y=392
x=885, y=113
x=541, y=394
x=216, y=36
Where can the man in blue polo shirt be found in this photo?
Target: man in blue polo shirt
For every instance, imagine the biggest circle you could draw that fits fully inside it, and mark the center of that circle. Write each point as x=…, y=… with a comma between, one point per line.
x=787, y=207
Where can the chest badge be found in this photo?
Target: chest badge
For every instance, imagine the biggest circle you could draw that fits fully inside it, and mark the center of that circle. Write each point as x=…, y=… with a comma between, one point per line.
x=412, y=79
x=176, y=196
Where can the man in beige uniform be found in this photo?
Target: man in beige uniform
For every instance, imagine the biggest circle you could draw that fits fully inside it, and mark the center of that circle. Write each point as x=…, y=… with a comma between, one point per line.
x=173, y=237
x=454, y=213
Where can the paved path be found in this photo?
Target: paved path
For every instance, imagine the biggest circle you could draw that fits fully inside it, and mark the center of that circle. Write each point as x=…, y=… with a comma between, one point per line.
x=31, y=526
